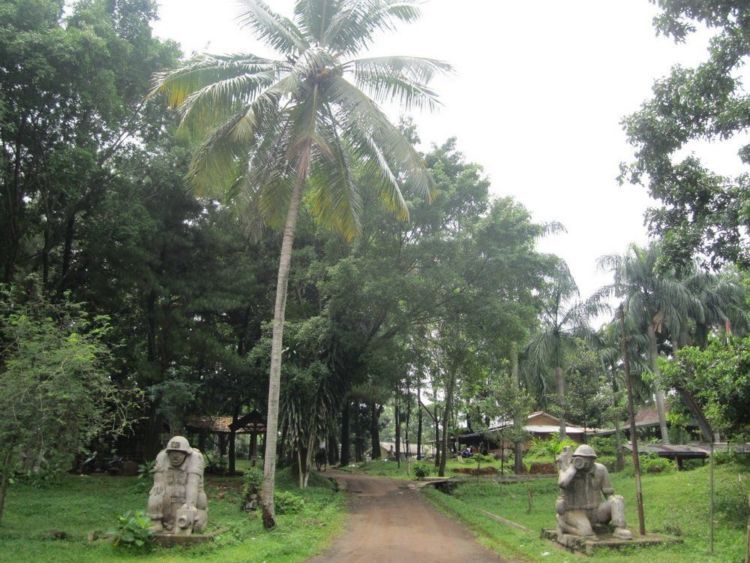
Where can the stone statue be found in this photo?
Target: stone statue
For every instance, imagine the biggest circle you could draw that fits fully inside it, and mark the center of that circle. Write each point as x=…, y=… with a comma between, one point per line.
x=580, y=506
x=177, y=503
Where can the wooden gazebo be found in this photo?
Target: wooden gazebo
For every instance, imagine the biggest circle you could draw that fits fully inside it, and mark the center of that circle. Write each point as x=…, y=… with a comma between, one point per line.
x=225, y=427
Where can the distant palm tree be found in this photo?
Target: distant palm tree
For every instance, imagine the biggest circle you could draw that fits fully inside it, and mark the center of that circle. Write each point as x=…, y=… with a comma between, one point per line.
x=655, y=301
x=563, y=318
x=271, y=128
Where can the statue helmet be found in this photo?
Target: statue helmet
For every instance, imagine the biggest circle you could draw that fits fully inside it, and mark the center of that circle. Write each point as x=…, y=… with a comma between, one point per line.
x=584, y=451
x=179, y=444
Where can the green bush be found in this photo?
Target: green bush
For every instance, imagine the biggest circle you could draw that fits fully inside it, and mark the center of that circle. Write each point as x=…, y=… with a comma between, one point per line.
x=133, y=531
x=421, y=470
x=655, y=464
x=603, y=445
x=549, y=448
x=252, y=481
x=288, y=503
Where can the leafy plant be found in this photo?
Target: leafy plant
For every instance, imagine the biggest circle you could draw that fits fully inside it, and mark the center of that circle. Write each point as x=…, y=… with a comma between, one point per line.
x=656, y=464
x=288, y=503
x=133, y=531
x=603, y=445
x=252, y=481
x=421, y=471
x=551, y=447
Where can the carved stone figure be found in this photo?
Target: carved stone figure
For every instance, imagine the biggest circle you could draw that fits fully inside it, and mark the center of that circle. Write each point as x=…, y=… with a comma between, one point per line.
x=177, y=503
x=587, y=497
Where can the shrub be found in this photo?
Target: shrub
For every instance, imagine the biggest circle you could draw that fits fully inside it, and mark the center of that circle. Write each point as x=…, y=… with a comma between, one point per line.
x=288, y=503
x=133, y=531
x=603, y=445
x=421, y=471
x=252, y=481
x=551, y=447
x=655, y=464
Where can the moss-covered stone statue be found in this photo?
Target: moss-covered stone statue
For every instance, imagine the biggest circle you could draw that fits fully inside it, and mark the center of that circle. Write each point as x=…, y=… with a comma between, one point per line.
x=587, y=498
x=177, y=503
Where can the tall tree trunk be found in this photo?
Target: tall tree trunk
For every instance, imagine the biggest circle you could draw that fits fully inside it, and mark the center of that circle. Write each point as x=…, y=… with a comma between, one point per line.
x=151, y=327
x=398, y=432
x=446, y=421
x=375, y=411
x=5, y=479
x=419, y=421
x=233, y=441
x=438, y=441
x=345, y=435
x=359, y=448
x=407, y=452
x=274, y=378
x=560, y=377
x=658, y=391
x=67, y=255
x=332, y=449
x=517, y=418
x=631, y=417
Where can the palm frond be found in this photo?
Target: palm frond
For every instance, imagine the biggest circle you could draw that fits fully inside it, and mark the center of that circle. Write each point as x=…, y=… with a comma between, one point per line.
x=203, y=70
x=357, y=21
x=403, y=79
x=217, y=164
x=334, y=199
x=361, y=113
x=314, y=17
x=276, y=30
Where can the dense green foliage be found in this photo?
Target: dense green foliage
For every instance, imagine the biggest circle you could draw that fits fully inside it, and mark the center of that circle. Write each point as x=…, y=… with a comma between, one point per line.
x=703, y=212
x=26, y=530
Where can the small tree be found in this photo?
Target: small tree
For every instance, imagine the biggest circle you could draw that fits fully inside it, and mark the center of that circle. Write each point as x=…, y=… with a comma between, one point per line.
x=55, y=391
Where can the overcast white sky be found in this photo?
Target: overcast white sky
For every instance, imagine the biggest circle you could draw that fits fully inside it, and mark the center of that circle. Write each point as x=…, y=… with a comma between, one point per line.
x=537, y=98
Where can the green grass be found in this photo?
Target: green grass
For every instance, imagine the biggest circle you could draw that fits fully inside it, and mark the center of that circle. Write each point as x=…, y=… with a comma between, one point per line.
x=675, y=503
x=384, y=468
x=79, y=505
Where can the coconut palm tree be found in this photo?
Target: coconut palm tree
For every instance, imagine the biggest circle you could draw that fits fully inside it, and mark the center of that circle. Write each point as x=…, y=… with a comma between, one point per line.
x=563, y=318
x=273, y=129
x=656, y=301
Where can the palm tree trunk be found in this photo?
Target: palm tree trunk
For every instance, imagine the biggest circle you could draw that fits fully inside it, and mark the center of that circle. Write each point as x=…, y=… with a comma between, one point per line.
x=274, y=380
x=658, y=391
x=560, y=377
x=517, y=416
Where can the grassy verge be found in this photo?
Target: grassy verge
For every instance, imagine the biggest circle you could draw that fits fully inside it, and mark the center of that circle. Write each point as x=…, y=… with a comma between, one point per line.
x=79, y=505
x=385, y=468
x=675, y=503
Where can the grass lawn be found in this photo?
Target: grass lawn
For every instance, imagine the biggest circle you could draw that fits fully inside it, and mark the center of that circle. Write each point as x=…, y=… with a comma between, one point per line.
x=79, y=505
x=675, y=503
x=385, y=468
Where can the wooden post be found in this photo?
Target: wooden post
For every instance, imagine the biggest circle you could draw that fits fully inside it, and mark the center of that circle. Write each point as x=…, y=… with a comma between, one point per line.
x=253, y=448
x=711, y=511
x=631, y=416
x=747, y=554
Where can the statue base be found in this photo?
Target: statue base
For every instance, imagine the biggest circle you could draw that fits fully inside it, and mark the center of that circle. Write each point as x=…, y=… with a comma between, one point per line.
x=589, y=545
x=163, y=539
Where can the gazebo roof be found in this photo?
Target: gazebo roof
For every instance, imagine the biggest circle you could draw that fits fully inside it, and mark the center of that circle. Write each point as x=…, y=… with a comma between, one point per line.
x=249, y=423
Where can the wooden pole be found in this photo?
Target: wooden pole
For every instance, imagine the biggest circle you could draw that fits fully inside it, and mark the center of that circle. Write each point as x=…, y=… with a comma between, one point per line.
x=747, y=552
x=631, y=416
x=711, y=510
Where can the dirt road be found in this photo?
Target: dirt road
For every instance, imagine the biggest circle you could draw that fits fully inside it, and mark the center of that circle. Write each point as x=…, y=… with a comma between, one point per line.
x=391, y=522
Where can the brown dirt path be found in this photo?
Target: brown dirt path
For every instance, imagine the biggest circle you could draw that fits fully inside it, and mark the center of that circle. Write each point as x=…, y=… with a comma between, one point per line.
x=389, y=521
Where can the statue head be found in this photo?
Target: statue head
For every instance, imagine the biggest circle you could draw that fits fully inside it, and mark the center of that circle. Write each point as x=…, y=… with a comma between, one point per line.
x=583, y=457
x=178, y=449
